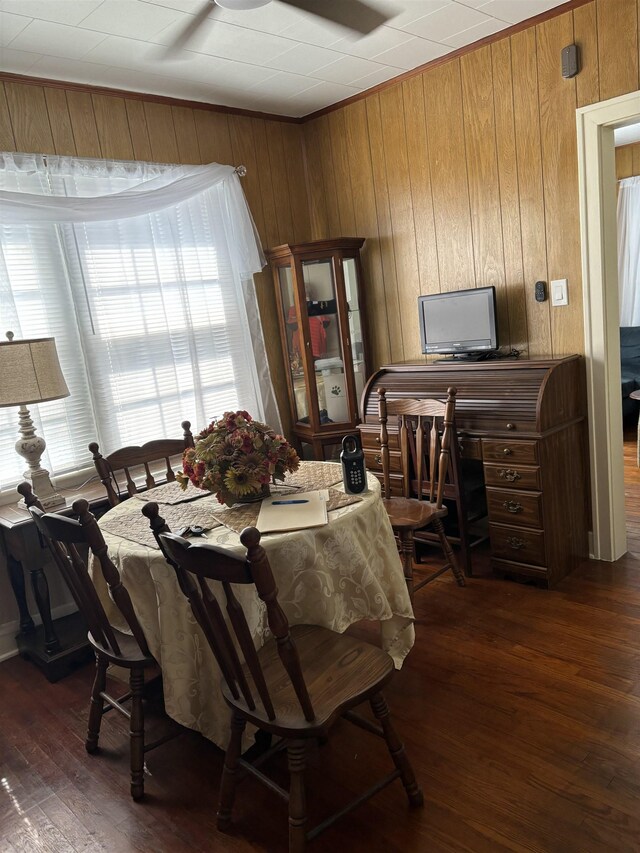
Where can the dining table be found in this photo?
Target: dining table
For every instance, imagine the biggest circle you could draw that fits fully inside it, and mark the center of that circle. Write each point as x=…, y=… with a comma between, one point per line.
x=332, y=575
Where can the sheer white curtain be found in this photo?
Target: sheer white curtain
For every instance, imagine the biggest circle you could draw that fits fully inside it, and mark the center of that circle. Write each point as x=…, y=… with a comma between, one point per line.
x=153, y=313
x=629, y=251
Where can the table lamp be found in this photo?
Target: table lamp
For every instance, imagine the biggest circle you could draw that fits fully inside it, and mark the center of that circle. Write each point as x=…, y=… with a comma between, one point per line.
x=30, y=373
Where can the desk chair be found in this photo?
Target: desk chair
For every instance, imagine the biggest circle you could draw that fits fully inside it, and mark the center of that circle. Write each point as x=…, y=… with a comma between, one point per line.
x=62, y=535
x=295, y=687
x=130, y=457
x=431, y=422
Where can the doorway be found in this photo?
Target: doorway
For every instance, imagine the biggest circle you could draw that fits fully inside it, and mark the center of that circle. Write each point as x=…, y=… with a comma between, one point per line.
x=597, y=177
x=627, y=154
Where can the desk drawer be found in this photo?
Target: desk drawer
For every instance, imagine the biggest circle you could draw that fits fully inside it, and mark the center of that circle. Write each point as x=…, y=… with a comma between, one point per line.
x=511, y=507
x=373, y=461
x=517, y=543
x=510, y=451
x=512, y=477
x=470, y=448
x=371, y=438
x=512, y=568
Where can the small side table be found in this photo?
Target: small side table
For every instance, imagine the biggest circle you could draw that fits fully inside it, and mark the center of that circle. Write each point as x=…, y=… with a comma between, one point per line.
x=57, y=645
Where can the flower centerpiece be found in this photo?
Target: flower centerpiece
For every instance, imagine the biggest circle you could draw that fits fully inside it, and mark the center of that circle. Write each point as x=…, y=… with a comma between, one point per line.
x=236, y=458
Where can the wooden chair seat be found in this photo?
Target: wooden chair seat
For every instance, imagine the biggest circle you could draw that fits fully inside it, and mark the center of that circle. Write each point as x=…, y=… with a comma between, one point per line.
x=130, y=654
x=357, y=671
x=411, y=514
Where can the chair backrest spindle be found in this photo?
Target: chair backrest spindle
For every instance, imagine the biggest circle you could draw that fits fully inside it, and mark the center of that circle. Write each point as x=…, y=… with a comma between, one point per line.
x=278, y=623
x=384, y=443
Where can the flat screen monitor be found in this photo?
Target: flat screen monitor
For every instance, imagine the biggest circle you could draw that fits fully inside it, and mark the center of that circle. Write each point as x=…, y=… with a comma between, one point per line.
x=462, y=322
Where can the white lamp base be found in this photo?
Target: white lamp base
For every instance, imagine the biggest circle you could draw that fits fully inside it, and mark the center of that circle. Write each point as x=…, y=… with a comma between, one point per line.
x=44, y=489
x=31, y=447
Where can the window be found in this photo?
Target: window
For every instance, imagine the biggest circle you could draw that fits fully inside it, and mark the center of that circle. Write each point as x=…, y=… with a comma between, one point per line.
x=148, y=315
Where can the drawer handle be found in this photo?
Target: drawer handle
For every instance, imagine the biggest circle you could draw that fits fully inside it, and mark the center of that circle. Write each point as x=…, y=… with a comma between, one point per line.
x=378, y=458
x=508, y=474
x=511, y=426
x=515, y=543
x=507, y=451
x=512, y=506
x=377, y=439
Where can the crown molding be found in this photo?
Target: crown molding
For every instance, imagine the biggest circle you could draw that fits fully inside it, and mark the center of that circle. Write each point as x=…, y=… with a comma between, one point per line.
x=7, y=77
x=448, y=57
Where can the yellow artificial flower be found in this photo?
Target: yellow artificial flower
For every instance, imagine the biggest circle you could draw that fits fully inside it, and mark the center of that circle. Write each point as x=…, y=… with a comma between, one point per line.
x=240, y=481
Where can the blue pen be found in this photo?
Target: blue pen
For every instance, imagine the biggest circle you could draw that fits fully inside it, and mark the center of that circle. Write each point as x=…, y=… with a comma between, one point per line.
x=282, y=503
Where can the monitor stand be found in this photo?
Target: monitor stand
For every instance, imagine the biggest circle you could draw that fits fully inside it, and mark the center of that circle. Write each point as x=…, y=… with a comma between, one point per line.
x=465, y=358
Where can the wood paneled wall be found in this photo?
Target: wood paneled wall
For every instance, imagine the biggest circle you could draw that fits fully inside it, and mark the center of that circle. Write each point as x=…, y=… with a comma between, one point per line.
x=466, y=176
x=52, y=120
x=628, y=161
x=462, y=176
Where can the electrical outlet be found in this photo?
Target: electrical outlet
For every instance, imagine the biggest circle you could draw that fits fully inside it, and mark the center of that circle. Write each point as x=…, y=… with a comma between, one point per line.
x=559, y=295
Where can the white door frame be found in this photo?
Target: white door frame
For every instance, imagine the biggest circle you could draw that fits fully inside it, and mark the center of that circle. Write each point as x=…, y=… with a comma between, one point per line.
x=597, y=182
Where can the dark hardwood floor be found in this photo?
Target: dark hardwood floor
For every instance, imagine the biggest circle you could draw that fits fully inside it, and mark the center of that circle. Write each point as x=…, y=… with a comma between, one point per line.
x=520, y=709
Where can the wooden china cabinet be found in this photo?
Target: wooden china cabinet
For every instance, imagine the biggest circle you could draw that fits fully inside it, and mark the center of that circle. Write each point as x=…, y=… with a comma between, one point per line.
x=321, y=306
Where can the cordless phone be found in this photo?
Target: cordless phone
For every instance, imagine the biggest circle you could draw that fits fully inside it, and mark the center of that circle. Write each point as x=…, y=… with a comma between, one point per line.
x=354, y=473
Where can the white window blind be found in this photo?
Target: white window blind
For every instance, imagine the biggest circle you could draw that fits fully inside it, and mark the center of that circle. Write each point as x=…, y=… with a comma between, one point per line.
x=149, y=318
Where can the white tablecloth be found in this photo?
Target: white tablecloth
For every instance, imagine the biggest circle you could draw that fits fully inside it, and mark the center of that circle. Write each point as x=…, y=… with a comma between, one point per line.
x=332, y=576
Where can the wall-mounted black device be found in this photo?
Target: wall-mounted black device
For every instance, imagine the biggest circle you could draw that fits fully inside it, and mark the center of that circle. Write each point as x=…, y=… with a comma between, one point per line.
x=570, y=61
x=354, y=473
x=541, y=291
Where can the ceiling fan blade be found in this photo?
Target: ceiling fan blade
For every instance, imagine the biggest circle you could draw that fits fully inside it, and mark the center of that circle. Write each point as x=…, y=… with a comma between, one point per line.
x=185, y=36
x=353, y=14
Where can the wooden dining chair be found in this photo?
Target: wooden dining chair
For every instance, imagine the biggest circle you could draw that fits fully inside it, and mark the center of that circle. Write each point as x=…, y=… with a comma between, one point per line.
x=431, y=422
x=63, y=535
x=295, y=687
x=128, y=458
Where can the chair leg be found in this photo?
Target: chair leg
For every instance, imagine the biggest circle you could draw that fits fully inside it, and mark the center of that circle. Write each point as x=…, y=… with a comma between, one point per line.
x=297, y=752
x=396, y=750
x=448, y=551
x=96, y=707
x=136, y=733
x=230, y=772
x=407, y=555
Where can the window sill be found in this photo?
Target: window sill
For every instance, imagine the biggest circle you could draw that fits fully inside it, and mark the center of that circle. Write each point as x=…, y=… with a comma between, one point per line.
x=75, y=480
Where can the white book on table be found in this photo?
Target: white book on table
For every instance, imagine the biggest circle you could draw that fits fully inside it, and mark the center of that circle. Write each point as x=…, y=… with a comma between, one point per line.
x=293, y=512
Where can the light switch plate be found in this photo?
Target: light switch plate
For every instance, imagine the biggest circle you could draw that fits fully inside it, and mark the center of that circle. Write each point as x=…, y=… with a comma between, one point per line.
x=559, y=294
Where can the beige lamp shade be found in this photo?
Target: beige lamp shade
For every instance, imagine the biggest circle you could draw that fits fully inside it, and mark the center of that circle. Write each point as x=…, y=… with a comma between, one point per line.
x=30, y=372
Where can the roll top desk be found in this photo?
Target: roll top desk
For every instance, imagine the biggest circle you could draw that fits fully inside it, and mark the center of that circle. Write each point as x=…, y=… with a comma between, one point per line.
x=526, y=422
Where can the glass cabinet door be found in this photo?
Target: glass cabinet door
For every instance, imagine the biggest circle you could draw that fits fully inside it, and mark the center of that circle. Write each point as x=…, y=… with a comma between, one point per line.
x=295, y=342
x=350, y=275
x=325, y=340
x=320, y=307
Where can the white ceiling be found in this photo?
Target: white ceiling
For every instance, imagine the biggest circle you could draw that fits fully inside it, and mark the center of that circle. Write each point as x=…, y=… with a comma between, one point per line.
x=274, y=59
